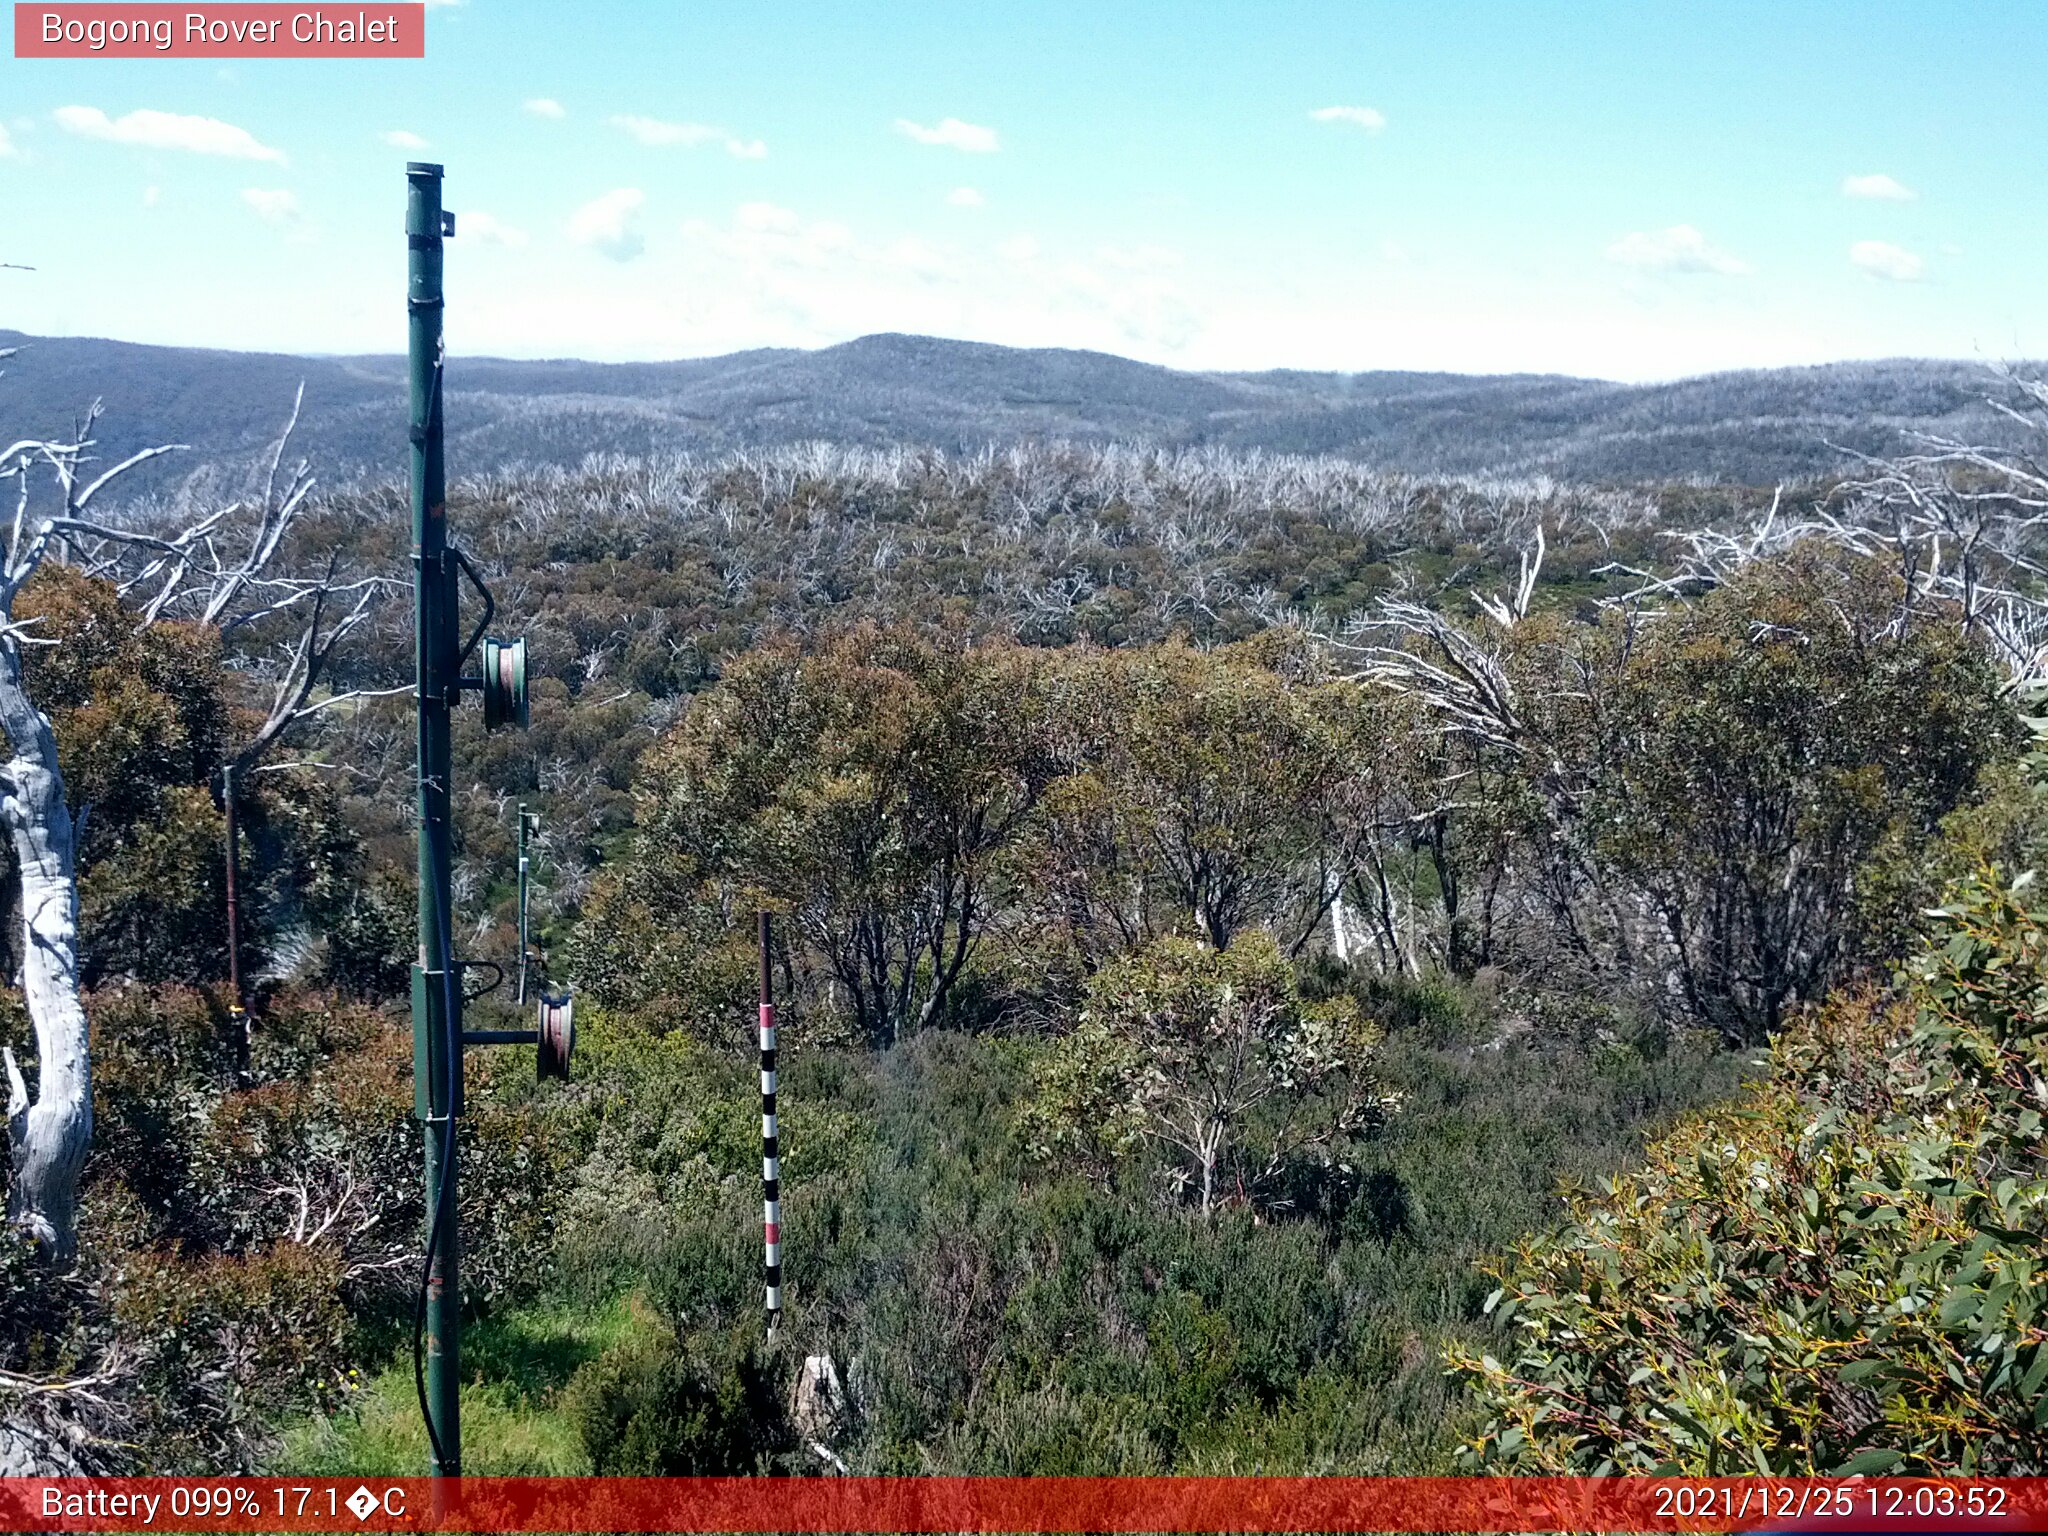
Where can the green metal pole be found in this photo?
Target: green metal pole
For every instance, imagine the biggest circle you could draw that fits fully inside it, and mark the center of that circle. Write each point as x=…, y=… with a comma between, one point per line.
x=524, y=822
x=436, y=989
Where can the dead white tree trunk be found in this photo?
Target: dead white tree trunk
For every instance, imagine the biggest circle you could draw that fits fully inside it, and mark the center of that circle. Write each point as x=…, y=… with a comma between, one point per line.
x=1340, y=938
x=47, y=1137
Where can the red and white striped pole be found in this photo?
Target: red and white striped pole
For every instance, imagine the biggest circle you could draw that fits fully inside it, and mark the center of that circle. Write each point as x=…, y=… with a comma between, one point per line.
x=771, y=1158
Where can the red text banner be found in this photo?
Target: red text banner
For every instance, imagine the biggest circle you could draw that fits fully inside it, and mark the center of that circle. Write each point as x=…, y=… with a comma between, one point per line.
x=235, y=31
x=999, y=1504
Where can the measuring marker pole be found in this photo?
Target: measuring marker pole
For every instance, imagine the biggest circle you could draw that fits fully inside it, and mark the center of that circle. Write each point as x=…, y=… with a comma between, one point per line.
x=771, y=1158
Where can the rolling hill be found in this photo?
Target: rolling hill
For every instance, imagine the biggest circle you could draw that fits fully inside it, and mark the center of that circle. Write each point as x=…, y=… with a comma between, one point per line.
x=1751, y=427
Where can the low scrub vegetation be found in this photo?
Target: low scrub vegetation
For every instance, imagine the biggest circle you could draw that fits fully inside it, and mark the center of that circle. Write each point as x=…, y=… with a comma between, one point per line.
x=1222, y=907
x=1842, y=1273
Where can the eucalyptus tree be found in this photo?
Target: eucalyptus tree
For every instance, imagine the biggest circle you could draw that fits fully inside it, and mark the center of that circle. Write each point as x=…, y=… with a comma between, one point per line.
x=1700, y=787
x=1207, y=793
x=873, y=786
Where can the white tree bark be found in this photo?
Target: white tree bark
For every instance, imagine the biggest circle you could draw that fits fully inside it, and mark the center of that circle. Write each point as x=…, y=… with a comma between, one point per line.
x=49, y=1135
x=1340, y=938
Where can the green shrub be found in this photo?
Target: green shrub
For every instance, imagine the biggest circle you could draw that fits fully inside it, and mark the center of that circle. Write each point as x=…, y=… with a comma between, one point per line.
x=660, y=1406
x=227, y=1344
x=1215, y=1058
x=991, y=1313
x=1842, y=1275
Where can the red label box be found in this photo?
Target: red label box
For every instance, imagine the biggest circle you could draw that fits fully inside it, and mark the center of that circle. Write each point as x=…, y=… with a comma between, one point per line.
x=933, y=1505
x=367, y=29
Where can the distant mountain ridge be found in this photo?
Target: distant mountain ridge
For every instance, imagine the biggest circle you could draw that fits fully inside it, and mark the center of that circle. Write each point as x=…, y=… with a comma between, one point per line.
x=1753, y=427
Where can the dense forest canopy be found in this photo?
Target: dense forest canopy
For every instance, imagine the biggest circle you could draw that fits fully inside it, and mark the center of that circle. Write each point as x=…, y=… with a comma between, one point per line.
x=1223, y=900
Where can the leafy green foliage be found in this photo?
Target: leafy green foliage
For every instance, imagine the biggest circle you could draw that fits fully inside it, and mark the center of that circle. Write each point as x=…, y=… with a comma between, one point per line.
x=915, y=803
x=1764, y=747
x=1710, y=811
x=871, y=789
x=145, y=719
x=1128, y=902
x=1843, y=1274
x=252, y=1198
x=988, y=1312
x=653, y=1407
x=1203, y=787
x=1214, y=1055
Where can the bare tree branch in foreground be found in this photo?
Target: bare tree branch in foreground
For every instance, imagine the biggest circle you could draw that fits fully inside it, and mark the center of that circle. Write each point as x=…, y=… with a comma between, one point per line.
x=215, y=570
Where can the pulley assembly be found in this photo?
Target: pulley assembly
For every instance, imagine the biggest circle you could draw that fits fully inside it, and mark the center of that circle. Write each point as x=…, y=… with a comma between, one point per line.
x=504, y=684
x=557, y=1033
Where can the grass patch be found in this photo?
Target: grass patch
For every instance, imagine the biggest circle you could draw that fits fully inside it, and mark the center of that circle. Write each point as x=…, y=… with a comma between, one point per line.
x=1003, y=1316
x=516, y=1364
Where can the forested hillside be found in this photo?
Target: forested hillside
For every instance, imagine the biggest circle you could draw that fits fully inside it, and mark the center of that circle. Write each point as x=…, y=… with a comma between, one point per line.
x=1233, y=913
x=1750, y=428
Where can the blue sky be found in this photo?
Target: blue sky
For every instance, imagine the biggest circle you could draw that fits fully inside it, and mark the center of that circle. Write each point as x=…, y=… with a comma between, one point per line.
x=1636, y=189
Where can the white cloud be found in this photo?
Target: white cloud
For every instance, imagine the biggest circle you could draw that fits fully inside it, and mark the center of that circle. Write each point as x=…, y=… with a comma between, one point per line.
x=1880, y=258
x=151, y=196
x=167, y=130
x=769, y=217
x=951, y=133
x=273, y=205
x=768, y=238
x=543, y=106
x=657, y=134
x=784, y=279
x=483, y=229
x=610, y=224
x=1880, y=186
x=965, y=197
x=917, y=257
x=1368, y=118
x=7, y=149
x=398, y=138
x=1139, y=258
x=1681, y=248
